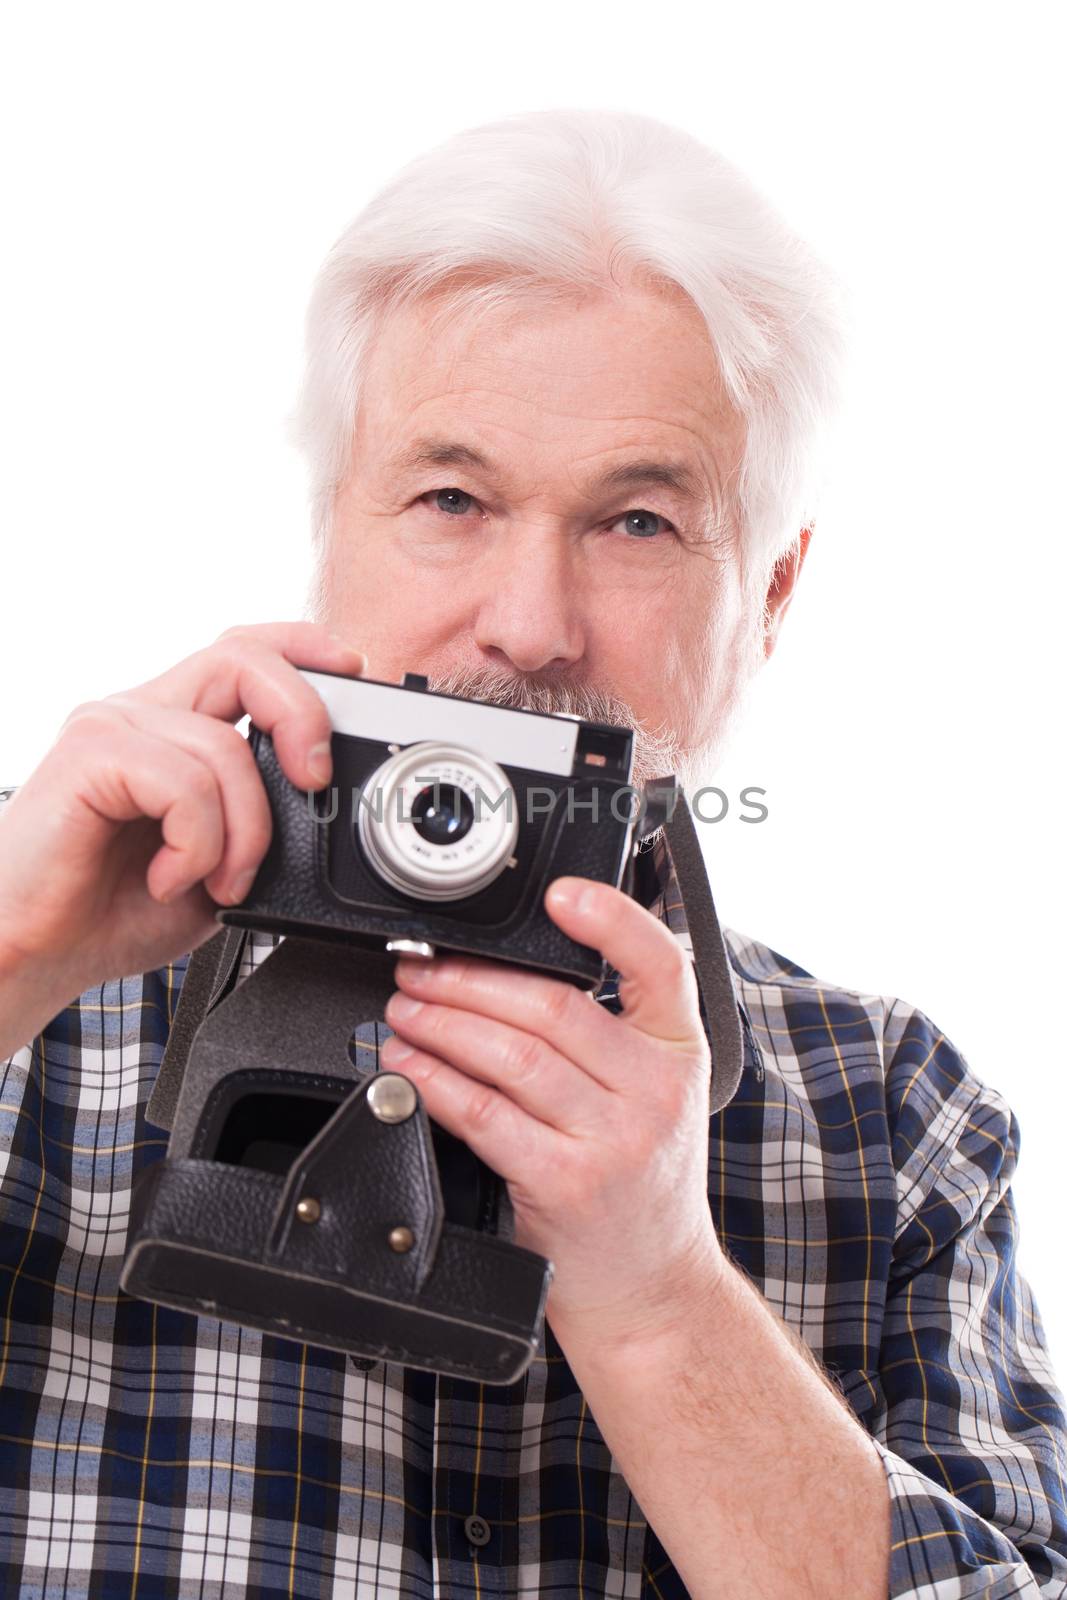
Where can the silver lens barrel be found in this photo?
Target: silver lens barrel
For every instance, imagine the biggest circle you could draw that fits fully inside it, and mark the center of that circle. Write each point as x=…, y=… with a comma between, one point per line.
x=410, y=857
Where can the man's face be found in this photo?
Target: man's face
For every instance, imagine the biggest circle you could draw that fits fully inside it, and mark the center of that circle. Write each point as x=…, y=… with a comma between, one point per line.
x=530, y=581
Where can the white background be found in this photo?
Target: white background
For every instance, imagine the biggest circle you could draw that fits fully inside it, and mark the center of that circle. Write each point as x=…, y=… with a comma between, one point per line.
x=174, y=176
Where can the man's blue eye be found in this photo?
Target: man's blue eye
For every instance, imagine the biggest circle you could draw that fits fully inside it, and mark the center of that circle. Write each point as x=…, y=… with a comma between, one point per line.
x=643, y=518
x=444, y=495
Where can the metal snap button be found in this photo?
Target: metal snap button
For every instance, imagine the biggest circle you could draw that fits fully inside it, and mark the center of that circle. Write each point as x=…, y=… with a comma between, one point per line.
x=392, y=1097
x=478, y=1531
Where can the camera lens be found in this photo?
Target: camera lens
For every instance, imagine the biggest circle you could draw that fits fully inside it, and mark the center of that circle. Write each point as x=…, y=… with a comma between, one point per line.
x=442, y=814
x=438, y=821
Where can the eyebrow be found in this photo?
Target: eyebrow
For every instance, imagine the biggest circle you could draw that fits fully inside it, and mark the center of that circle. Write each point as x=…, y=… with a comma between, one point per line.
x=672, y=475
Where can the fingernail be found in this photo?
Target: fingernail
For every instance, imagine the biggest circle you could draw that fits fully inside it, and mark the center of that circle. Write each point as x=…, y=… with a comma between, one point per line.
x=396, y=1049
x=569, y=894
x=343, y=644
x=240, y=886
x=403, y=1006
x=319, y=763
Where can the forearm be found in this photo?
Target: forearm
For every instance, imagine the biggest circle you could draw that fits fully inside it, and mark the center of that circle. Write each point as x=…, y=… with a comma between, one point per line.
x=756, y=1478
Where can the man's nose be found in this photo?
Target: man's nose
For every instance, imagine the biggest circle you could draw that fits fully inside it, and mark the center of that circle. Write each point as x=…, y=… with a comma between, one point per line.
x=530, y=607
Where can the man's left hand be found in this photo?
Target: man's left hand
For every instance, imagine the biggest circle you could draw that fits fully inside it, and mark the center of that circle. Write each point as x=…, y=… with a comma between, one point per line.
x=597, y=1122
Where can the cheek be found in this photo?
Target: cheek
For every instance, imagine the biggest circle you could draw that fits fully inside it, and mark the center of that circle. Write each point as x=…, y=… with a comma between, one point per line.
x=396, y=607
x=355, y=582
x=633, y=646
x=708, y=654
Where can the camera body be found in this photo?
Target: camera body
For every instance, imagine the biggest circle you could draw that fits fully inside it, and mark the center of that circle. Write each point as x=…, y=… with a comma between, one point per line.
x=445, y=821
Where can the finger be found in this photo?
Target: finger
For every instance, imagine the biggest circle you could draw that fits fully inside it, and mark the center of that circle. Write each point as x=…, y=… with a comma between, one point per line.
x=280, y=702
x=253, y=671
x=143, y=776
x=518, y=1147
x=534, y=1075
x=245, y=807
x=566, y=1017
x=658, y=989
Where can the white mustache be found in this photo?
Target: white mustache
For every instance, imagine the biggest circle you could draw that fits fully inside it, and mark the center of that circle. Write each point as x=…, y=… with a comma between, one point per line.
x=657, y=751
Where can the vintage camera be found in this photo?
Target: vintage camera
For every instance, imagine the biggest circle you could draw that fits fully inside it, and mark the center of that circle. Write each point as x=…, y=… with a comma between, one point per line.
x=445, y=821
x=305, y=1192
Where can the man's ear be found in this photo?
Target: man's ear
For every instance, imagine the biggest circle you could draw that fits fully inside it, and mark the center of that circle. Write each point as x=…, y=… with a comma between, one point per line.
x=780, y=590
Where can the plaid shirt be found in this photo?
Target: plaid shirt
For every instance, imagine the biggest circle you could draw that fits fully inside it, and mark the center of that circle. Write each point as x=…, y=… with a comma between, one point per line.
x=859, y=1177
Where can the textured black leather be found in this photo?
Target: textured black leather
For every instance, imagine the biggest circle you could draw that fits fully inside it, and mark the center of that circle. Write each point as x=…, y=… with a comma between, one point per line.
x=211, y=970
x=200, y=1242
x=393, y=1183
x=225, y=1239
x=291, y=892
x=294, y=1014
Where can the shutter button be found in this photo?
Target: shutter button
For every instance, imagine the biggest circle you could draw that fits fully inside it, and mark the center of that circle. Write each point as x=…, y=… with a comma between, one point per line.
x=478, y=1531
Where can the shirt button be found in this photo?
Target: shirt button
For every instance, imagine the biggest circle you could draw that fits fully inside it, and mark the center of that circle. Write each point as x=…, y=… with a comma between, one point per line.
x=478, y=1531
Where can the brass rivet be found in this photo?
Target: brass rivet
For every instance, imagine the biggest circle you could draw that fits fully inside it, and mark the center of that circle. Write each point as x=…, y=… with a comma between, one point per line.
x=308, y=1209
x=401, y=1240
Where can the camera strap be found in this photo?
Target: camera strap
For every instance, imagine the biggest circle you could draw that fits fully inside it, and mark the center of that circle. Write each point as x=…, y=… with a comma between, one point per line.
x=209, y=977
x=722, y=1015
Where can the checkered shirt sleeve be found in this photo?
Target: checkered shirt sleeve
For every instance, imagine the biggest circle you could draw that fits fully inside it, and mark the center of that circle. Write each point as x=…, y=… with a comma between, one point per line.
x=963, y=1405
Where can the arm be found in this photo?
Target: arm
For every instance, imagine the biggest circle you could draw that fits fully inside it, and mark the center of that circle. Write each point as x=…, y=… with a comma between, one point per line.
x=756, y=1477
x=747, y=1468
x=960, y=1408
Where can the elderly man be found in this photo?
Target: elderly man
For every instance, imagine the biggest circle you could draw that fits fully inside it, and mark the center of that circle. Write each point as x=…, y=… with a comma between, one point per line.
x=567, y=376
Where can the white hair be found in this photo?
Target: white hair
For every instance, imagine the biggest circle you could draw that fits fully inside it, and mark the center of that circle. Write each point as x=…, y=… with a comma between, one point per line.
x=540, y=206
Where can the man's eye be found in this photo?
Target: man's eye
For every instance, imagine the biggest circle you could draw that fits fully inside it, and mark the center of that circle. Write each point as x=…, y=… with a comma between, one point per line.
x=446, y=501
x=643, y=524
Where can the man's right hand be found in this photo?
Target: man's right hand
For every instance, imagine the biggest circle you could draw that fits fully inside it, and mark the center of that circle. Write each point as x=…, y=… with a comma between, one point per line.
x=148, y=812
